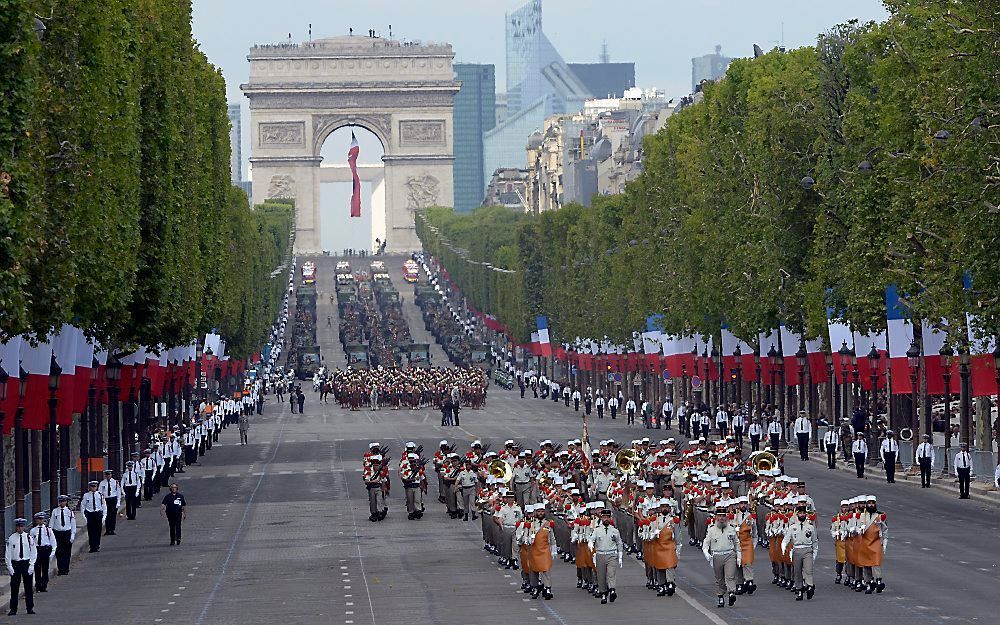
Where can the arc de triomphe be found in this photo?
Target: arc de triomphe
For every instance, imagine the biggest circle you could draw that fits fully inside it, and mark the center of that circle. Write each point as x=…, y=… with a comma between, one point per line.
x=401, y=92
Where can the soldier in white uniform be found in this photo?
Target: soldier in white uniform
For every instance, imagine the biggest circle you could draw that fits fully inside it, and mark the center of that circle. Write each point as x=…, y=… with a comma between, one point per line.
x=45, y=542
x=132, y=486
x=802, y=537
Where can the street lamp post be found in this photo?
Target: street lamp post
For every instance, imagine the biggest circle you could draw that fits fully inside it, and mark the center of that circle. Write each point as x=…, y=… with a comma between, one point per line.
x=873, y=358
x=114, y=372
x=844, y=354
x=801, y=360
x=996, y=377
x=760, y=380
x=772, y=359
x=828, y=359
x=718, y=389
x=965, y=393
x=913, y=362
x=22, y=390
x=738, y=370
x=697, y=373
x=54, y=372
x=4, y=377
x=947, y=358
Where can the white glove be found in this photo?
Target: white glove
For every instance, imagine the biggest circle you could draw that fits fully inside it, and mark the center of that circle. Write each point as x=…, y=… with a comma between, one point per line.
x=619, y=560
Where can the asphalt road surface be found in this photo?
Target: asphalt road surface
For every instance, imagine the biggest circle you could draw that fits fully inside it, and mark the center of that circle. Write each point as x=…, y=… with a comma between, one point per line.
x=278, y=532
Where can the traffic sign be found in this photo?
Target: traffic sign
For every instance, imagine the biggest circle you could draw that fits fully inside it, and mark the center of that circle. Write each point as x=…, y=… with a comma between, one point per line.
x=665, y=375
x=696, y=382
x=618, y=377
x=611, y=377
x=573, y=370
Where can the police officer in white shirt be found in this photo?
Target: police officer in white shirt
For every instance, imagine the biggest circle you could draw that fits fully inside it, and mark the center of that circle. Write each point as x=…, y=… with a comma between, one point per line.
x=576, y=399
x=739, y=424
x=889, y=450
x=20, y=559
x=831, y=441
x=630, y=408
x=774, y=433
x=111, y=489
x=803, y=431
x=722, y=421
x=963, y=467
x=667, y=414
x=613, y=406
x=131, y=487
x=755, y=432
x=45, y=541
x=705, y=422
x=148, y=467
x=925, y=458
x=859, y=449
x=63, y=524
x=599, y=404
x=94, y=510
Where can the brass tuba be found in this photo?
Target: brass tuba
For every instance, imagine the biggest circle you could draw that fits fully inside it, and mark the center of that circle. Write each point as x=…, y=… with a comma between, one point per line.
x=627, y=461
x=761, y=461
x=500, y=470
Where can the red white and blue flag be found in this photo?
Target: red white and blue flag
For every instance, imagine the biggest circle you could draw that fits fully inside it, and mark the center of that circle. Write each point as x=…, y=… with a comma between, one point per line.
x=352, y=160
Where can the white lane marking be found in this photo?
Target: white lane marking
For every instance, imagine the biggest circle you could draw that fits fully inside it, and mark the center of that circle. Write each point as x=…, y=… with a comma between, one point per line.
x=239, y=531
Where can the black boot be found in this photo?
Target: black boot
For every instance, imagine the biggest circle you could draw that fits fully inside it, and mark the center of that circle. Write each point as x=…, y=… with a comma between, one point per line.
x=838, y=579
x=810, y=591
x=879, y=585
x=612, y=595
x=661, y=591
x=739, y=589
x=671, y=588
x=798, y=595
x=751, y=586
x=547, y=593
x=604, y=598
x=732, y=599
x=722, y=602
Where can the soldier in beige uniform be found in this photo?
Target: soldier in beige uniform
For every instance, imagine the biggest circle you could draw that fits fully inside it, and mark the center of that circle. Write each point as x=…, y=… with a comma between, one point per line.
x=606, y=544
x=524, y=473
x=468, y=487
x=801, y=537
x=507, y=517
x=722, y=551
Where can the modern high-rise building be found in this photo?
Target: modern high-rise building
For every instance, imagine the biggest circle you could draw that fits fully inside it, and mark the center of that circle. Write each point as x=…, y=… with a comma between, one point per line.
x=235, y=146
x=708, y=67
x=475, y=114
x=539, y=84
x=605, y=80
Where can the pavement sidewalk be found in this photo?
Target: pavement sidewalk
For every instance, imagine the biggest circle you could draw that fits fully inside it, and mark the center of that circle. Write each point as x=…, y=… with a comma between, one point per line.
x=978, y=490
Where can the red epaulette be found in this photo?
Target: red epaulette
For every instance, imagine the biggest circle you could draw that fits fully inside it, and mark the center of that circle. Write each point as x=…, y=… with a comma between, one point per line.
x=812, y=517
x=882, y=517
x=552, y=523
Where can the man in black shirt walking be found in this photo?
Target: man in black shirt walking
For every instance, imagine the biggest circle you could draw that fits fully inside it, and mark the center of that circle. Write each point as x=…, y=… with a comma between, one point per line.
x=174, y=507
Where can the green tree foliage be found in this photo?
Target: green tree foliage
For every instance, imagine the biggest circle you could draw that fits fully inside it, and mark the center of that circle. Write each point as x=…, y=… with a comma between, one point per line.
x=802, y=181
x=119, y=216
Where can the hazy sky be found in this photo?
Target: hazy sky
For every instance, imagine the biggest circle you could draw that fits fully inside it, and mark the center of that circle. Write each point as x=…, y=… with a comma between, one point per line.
x=659, y=36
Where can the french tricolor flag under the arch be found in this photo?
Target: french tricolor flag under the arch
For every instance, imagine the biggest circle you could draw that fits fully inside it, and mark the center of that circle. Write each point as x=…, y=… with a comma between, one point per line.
x=352, y=160
x=543, y=335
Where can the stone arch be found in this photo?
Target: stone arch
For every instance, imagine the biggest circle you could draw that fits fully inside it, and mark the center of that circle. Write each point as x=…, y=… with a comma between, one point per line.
x=403, y=94
x=325, y=124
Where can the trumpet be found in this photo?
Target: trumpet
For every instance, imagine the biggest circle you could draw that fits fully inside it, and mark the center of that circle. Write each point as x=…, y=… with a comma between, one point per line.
x=627, y=461
x=500, y=470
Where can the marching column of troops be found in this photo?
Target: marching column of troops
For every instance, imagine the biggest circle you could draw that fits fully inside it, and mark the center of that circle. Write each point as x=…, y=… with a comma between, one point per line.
x=644, y=499
x=29, y=549
x=406, y=387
